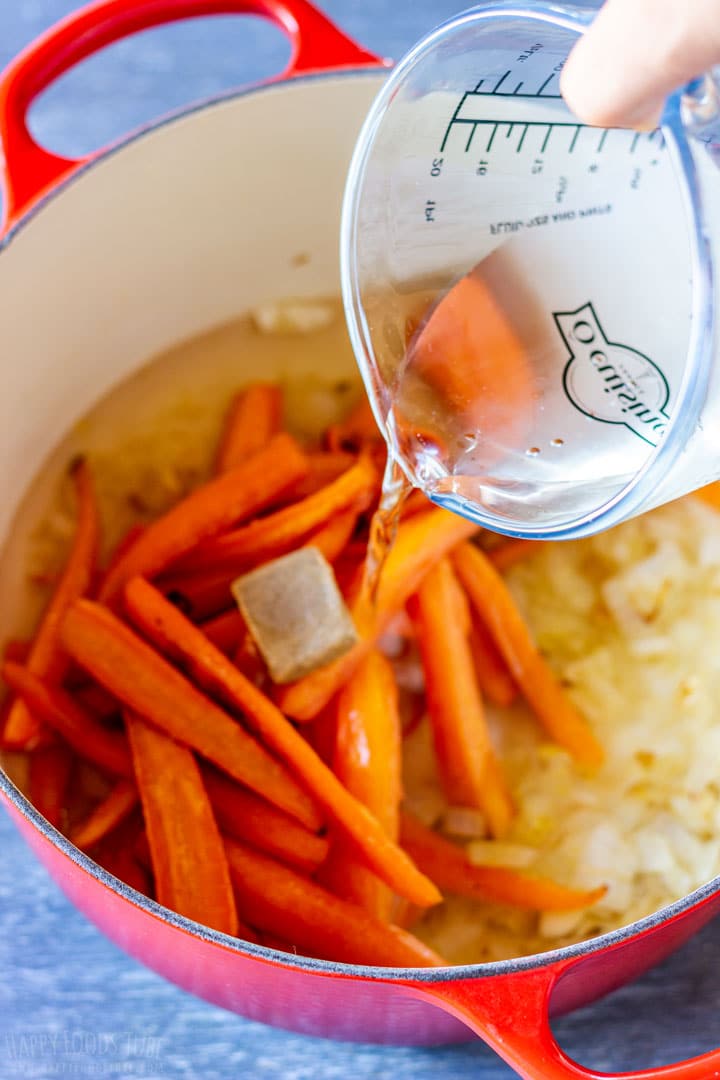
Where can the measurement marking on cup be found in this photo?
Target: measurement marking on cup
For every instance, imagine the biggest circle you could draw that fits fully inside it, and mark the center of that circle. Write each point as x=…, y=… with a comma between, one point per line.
x=574, y=139
x=499, y=83
x=518, y=148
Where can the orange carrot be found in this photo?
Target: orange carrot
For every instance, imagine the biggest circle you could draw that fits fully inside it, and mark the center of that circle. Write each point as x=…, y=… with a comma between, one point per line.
x=207, y=511
x=420, y=543
x=282, y=903
x=88, y=738
x=511, y=552
x=496, y=607
x=241, y=814
x=332, y=539
x=495, y=680
x=202, y=595
x=324, y=466
x=49, y=776
x=357, y=429
x=226, y=631
x=710, y=495
x=16, y=650
x=451, y=870
x=117, y=805
x=189, y=863
x=46, y=660
x=121, y=863
x=367, y=762
x=177, y=636
x=254, y=416
x=147, y=684
x=469, y=770
x=283, y=531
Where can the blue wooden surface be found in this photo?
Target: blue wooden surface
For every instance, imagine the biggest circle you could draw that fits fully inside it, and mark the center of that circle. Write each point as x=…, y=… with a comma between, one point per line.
x=71, y=1004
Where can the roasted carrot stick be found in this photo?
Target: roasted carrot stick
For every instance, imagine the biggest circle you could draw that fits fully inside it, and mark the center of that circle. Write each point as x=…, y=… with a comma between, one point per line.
x=207, y=511
x=147, y=684
x=49, y=775
x=202, y=595
x=511, y=552
x=367, y=762
x=325, y=466
x=357, y=429
x=280, y=902
x=188, y=857
x=420, y=543
x=496, y=607
x=254, y=416
x=177, y=636
x=495, y=680
x=333, y=538
x=283, y=531
x=122, y=864
x=88, y=738
x=469, y=770
x=710, y=495
x=46, y=660
x=16, y=650
x=243, y=815
x=451, y=870
x=225, y=631
x=117, y=805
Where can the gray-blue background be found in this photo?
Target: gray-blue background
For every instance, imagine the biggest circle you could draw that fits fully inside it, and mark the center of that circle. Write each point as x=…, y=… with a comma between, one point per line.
x=71, y=1004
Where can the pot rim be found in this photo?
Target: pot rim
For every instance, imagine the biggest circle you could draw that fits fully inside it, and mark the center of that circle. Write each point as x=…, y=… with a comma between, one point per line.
x=280, y=959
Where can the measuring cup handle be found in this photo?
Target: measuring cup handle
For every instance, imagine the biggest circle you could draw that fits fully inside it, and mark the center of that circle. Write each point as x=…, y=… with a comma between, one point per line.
x=511, y=1014
x=28, y=171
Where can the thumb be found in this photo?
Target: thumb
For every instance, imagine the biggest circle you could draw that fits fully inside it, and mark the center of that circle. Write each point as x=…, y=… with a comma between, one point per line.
x=635, y=54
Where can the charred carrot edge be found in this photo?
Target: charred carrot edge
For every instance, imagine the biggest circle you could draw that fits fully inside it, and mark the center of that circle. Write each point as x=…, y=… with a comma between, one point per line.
x=254, y=416
x=209, y=509
x=16, y=650
x=188, y=858
x=332, y=539
x=49, y=776
x=470, y=772
x=177, y=636
x=136, y=674
x=495, y=680
x=45, y=659
x=451, y=870
x=226, y=631
x=421, y=542
x=55, y=707
x=122, y=864
x=494, y=604
x=283, y=531
x=367, y=762
x=282, y=903
x=358, y=428
x=243, y=815
x=117, y=805
x=512, y=552
x=203, y=595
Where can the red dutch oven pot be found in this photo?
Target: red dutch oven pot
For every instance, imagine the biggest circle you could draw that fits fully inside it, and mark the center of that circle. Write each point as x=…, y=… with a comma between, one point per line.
x=105, y=261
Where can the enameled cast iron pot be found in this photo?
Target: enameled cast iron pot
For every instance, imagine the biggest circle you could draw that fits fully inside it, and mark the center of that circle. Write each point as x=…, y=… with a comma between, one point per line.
x=104, y=262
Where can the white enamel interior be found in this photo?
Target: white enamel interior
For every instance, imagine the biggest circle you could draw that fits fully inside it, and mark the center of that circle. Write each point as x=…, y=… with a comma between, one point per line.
x=178, y=231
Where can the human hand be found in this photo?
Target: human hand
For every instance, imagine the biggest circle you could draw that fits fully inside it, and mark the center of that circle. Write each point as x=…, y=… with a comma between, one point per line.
x=635, y=54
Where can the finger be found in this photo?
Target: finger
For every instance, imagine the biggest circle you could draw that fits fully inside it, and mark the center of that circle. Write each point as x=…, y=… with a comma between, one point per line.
x=635, y=54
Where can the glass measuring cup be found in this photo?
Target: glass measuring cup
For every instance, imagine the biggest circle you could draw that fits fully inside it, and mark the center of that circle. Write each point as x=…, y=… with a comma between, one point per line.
x=531, y=300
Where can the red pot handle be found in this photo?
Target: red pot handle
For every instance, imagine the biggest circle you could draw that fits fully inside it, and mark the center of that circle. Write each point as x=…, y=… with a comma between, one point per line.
x=29, y=171
x=511, y=1014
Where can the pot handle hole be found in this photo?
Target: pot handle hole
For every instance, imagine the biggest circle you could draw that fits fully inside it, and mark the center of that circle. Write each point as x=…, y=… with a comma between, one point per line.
x=28, y=172
x=511, y=1014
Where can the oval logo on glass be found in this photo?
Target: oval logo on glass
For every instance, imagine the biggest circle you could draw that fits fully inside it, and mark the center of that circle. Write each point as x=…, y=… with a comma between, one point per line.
x=609, y=382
